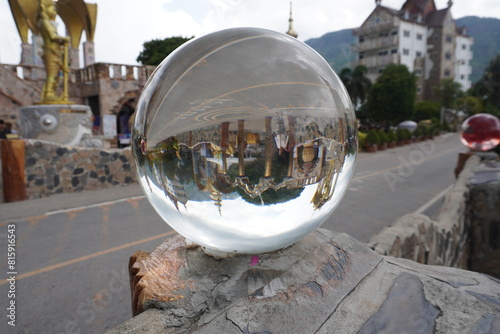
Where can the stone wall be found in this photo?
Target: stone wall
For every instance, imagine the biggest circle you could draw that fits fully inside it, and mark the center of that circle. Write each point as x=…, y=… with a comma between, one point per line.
x=113, y=83
x=483, y=216
x=51, y=168
x=444, y=241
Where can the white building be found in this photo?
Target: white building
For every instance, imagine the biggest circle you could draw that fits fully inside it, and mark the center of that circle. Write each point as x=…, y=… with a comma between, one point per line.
x=419, y=36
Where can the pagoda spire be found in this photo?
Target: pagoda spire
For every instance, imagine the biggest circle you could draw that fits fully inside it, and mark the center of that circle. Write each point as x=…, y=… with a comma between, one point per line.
x=290, y=31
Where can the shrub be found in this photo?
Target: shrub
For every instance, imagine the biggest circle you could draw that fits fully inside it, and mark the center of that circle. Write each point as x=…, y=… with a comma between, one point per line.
x=361, y=139
x=391, y=135
x=425, y=129
x=401, y=134
x=372, y=138
x=383, y=137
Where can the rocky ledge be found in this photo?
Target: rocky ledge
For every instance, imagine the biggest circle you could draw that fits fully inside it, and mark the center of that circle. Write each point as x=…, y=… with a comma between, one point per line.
x=325, y=283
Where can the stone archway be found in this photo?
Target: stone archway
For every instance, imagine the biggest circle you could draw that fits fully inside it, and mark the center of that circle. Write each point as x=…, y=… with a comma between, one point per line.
x=124, y=111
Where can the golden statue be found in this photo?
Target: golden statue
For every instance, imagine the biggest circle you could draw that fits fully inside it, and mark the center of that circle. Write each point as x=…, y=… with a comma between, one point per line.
x=55, y=55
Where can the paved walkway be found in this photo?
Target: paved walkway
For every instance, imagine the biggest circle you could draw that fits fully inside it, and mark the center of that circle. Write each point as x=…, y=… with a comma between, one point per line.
x=58, y=202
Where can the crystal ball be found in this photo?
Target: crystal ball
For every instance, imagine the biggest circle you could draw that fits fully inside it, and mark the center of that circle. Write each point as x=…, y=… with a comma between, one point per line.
x=481, y=132
x=245, y=140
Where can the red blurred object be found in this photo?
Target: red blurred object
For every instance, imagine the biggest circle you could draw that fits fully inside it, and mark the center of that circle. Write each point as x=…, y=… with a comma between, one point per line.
x=481, y=132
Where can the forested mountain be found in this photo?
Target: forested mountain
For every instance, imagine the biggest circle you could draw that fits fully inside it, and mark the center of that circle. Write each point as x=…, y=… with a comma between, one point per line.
x=485, y=32
x=335, y=47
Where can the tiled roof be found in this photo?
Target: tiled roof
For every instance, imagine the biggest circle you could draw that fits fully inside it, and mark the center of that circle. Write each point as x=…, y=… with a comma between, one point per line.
x=436, y=18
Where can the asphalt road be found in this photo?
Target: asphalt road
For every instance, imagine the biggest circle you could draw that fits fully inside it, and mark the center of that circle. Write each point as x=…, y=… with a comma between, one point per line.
x=72, y=251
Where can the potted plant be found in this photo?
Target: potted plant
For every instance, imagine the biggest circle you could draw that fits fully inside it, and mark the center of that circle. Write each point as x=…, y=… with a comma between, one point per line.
x=434, y=130
x=418, y=134
x=426, y=131
x=407, y=136
x=372, y=141
x=361, y=140
x=383, y=140
x=401, y=137
x=391, y=135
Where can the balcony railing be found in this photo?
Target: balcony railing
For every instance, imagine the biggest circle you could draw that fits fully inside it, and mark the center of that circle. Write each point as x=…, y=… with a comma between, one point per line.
x=378, y=61
x=376, y=43
x=87, y=74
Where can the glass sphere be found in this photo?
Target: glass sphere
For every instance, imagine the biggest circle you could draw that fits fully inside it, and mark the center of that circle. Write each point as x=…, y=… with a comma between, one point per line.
x=481, y=132
x=245, y=140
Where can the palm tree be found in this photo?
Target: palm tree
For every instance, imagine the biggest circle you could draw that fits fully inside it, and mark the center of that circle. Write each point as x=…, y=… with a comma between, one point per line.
x=356, y=83
x=360, y=86
x=346, y=76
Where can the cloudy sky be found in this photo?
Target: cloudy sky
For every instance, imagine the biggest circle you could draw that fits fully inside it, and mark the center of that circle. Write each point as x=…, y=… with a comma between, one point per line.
x=124, y=25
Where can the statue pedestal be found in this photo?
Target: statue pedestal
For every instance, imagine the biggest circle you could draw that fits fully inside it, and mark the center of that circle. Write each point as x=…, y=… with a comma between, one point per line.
x=66, y=124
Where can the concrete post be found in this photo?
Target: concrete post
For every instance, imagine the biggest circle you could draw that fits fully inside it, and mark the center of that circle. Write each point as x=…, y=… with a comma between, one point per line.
x=88, y=53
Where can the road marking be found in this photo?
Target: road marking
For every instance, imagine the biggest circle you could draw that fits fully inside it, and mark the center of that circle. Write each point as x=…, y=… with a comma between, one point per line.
x=87, y=257
x=433, y=200
x=94, y=205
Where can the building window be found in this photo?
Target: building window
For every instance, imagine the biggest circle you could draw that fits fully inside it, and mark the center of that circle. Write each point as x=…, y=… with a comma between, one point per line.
x=361, y=39
x=447, y=73
x=420, y=36
x=380, y=70
x=383, y=53
x=419, y=90
x=448, y=56
x=449, y=39
x=394, y=32
x=418, y=54
x=406, y=33
x=462, y=77
x=418, y=71
x=361, y=55
x=406, y=52
x=464, y=46
x=393, y=51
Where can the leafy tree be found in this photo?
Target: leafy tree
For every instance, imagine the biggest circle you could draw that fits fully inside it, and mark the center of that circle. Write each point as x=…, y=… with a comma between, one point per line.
x=346, y=75
x=489, y=86
x=392, y=97
x=427, y=110
x=448, y=92
x=156, y=50
x=470, y=104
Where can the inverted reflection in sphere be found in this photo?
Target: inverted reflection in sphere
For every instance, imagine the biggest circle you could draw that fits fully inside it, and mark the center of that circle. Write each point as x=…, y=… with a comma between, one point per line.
x=481, y=132
x=245, y=140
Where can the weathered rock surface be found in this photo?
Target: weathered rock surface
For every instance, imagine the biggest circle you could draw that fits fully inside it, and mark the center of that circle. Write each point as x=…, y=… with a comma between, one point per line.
x=325, y=283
